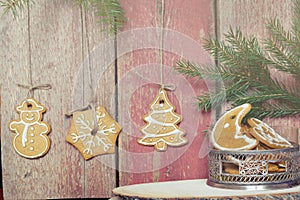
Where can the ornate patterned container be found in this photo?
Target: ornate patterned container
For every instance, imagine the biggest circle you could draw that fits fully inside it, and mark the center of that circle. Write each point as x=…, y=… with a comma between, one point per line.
x=254, y=169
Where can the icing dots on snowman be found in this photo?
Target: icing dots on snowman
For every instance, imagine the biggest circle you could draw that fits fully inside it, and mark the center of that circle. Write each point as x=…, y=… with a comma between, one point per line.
x=31, y=140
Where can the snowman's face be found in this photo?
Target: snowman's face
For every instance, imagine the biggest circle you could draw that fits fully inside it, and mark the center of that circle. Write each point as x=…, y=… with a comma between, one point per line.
x=30, y=116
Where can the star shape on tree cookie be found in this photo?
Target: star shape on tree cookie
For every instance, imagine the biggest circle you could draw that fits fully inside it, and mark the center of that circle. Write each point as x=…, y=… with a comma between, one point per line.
x=92, y=144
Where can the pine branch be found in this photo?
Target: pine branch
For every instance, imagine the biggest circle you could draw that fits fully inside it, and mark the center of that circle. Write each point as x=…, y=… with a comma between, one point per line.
x=248, y=50
x=14, y=6
x=296, y=18
x=220, y=50
x=273, y=110
x=110, y=13
x=282, y=48
x=243, y=68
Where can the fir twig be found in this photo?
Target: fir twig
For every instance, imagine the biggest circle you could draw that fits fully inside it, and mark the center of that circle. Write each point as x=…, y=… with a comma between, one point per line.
x=109, y=11
x=243, y=70
x=14, y=6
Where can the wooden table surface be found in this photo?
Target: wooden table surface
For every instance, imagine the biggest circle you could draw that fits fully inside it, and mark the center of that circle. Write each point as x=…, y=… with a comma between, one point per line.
x=190, y=189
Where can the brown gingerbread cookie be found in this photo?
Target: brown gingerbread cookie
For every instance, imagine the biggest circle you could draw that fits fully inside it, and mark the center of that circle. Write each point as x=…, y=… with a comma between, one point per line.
x=229, y=133
x=92, y=144
x=31, y=140
x=161, y=127
x=266, y=135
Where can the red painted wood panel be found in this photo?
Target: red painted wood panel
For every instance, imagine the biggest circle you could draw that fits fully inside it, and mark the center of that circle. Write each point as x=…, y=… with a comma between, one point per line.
x=185, y=22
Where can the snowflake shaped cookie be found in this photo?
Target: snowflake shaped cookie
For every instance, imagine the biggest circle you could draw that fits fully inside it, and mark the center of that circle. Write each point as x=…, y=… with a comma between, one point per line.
x=92, y=144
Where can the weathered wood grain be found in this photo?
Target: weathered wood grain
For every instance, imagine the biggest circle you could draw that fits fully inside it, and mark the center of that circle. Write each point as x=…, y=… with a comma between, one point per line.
x=99, y=52
x=40, y=44
x=140, y=68
x=56, y=54
x=58, y=43
x=14, y=59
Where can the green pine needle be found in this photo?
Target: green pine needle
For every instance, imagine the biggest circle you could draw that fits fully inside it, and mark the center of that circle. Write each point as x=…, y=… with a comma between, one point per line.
x=110, y=11
x=14, y=6
x=243, y=70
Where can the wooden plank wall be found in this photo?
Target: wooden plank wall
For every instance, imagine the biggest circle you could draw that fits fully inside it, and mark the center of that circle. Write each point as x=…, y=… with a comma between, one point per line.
x=58, y=43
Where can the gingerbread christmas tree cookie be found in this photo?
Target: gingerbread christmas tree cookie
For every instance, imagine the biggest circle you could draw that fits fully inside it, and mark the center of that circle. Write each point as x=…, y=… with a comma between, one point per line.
x=161, y=127
x=31, y=140
x=90, y=143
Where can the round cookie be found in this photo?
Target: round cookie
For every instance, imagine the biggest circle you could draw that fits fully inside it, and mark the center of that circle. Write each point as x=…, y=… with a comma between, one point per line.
x=228, y=132
x=266, y=135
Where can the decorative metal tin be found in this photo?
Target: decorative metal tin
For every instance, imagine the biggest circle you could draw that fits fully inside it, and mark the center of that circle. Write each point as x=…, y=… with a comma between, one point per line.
x=254, y=169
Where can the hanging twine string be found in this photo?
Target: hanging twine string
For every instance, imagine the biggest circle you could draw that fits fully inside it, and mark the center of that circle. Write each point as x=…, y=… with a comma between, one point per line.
x=161, y=40
x=171, y=86
x=91, y=104
x=31, y=88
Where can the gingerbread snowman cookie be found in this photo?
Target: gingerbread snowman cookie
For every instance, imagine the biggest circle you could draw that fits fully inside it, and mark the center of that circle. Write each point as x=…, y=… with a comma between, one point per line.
x=30, y=140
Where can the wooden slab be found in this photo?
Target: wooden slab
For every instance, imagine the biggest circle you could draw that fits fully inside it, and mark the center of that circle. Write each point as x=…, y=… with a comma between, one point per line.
x=198, y=189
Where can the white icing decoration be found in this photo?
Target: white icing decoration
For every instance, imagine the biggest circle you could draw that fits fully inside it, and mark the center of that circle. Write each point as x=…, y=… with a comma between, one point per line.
x=31, y=148
x=27, y=127
x=90, y=141
x=272, y=140
x=226, y=125
x=150, y=119
x=163, y=111
x=237, y=132
x=161, y=135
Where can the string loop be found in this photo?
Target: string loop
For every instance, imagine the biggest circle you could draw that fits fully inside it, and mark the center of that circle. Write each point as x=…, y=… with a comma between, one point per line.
x=170, y=87
x=31, y=88
x=90, y=106
x=84, y=108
